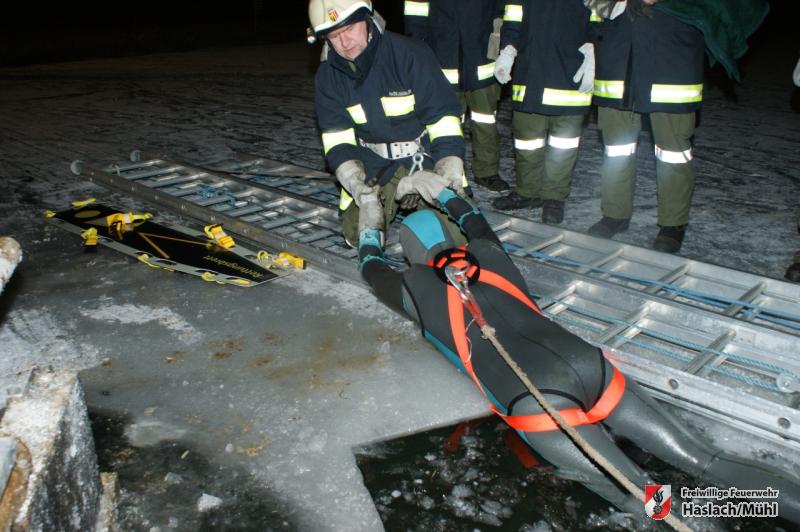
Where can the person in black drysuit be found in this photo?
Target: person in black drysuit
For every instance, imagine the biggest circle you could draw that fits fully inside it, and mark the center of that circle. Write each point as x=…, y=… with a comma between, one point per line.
x=574, y=375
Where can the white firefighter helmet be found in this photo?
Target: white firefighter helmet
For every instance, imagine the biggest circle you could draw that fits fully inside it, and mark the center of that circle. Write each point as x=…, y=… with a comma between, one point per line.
x=327, y=15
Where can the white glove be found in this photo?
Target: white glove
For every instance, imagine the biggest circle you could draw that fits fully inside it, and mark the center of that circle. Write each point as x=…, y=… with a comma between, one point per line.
x=493, y=50
x=609, y=9
x=370, y=213
x=422, y=182
x=585, y=73
x=618, y=9
x=351, y=175
x=796, y=75
x=504, y=64
x=452, y=169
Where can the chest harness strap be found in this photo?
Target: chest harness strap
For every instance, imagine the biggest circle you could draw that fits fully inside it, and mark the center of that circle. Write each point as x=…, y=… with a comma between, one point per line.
x=459, y=297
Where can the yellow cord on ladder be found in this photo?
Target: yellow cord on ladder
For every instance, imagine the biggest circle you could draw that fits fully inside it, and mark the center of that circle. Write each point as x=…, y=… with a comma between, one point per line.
x=218, y=235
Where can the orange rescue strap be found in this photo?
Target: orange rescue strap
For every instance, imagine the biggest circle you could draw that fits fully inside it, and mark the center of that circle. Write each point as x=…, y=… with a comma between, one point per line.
x=459, y=299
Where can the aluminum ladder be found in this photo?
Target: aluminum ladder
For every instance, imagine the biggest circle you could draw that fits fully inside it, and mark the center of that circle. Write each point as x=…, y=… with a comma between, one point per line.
x=716, y=341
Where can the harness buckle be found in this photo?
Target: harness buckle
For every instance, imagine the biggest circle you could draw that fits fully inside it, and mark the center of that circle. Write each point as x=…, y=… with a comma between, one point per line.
x=458, y=278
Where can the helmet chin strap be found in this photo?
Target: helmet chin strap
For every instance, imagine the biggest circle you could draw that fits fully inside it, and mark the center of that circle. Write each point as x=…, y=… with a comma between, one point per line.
x=378, y=21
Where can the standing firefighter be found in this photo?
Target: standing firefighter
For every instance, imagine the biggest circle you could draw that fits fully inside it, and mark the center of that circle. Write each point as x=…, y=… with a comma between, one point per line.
x=384, y=108
x=548, y=44
x=464, y=35
x=648, y=62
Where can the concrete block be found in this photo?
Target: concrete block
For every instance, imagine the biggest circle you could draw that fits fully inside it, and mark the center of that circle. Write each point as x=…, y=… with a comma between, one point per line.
x=10, y=256
x=55, y=484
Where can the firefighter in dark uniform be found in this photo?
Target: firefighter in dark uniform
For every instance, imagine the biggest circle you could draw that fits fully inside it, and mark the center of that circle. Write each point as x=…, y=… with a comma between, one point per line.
x=647, y=63
x=384, y=108
x=578, y=380
x=548, y=42
x=464, y=35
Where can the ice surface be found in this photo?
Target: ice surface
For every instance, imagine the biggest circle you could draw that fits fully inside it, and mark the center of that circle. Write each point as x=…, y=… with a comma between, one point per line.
x=208, y=502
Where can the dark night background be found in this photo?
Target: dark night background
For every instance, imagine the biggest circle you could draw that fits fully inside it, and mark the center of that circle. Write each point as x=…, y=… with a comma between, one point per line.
x=43, y=32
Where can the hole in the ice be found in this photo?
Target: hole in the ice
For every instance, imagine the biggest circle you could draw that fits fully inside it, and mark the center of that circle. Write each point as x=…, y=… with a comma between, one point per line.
x=784, y=423
x=673, y=384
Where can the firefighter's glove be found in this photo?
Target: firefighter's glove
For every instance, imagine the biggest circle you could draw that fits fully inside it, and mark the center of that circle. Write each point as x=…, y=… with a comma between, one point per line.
x=493, y=50
x=423, y=183
x=585, y=74
x=410, y=201
x=609, y=9
x=352, y=176
x=618, y=9
x=504, y=64
x=452, y=168
x=370, y=212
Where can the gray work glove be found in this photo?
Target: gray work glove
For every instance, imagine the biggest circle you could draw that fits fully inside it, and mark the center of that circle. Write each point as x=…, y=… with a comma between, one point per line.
x=422, y=183
x=493, y=50
x=409, y=202
x=352, y=176
x=585, y=73
x=370, y=213
x=452, y=169
x=504, y=64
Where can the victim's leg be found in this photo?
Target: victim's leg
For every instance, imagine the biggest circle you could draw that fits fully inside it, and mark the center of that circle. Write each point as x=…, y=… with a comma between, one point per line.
x=571, y=462
x=639, y=418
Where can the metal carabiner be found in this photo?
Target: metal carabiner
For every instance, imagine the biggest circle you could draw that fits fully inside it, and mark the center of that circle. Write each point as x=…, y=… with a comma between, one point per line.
x=458, y=278
x=417, y=160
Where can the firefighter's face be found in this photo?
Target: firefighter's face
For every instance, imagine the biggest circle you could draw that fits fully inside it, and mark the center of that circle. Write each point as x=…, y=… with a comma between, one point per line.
x=350, y=40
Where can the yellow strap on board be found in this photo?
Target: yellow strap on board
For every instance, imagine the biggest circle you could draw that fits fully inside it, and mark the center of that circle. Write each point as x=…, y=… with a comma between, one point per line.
x=89, y=237
x=145, y=258
x=82, y=203
x=218, y=235
x=283, y=260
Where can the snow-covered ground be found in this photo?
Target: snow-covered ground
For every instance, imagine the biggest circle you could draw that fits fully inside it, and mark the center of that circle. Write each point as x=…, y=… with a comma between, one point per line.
x=212, y=363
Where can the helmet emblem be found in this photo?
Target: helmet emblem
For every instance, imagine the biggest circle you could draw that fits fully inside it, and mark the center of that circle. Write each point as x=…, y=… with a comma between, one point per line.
x=333, y=15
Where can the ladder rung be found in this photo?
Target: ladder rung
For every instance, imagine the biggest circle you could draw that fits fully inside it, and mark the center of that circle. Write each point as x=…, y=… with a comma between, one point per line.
x=705, y=356
x=747, y=297
x=623, y=329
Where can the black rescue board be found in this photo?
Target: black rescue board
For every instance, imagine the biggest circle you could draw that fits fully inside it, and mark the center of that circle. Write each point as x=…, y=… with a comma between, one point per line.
x=171, y=247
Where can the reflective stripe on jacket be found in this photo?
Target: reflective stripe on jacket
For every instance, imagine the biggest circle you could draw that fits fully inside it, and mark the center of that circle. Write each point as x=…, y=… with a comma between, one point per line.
x=393, y=92
x=458, y=33
x=653, y=63
x=547, y=35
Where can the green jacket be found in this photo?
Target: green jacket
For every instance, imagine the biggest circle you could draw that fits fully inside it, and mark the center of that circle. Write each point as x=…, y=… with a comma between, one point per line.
x=726, y=25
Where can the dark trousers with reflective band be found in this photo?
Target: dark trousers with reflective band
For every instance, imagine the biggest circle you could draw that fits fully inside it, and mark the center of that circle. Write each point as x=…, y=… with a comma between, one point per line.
x=485, y=138
x=672, y=132
x=543, y=169
x=390, y=208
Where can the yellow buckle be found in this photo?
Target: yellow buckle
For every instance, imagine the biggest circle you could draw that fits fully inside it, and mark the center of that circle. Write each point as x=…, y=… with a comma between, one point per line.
x=218, y=235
